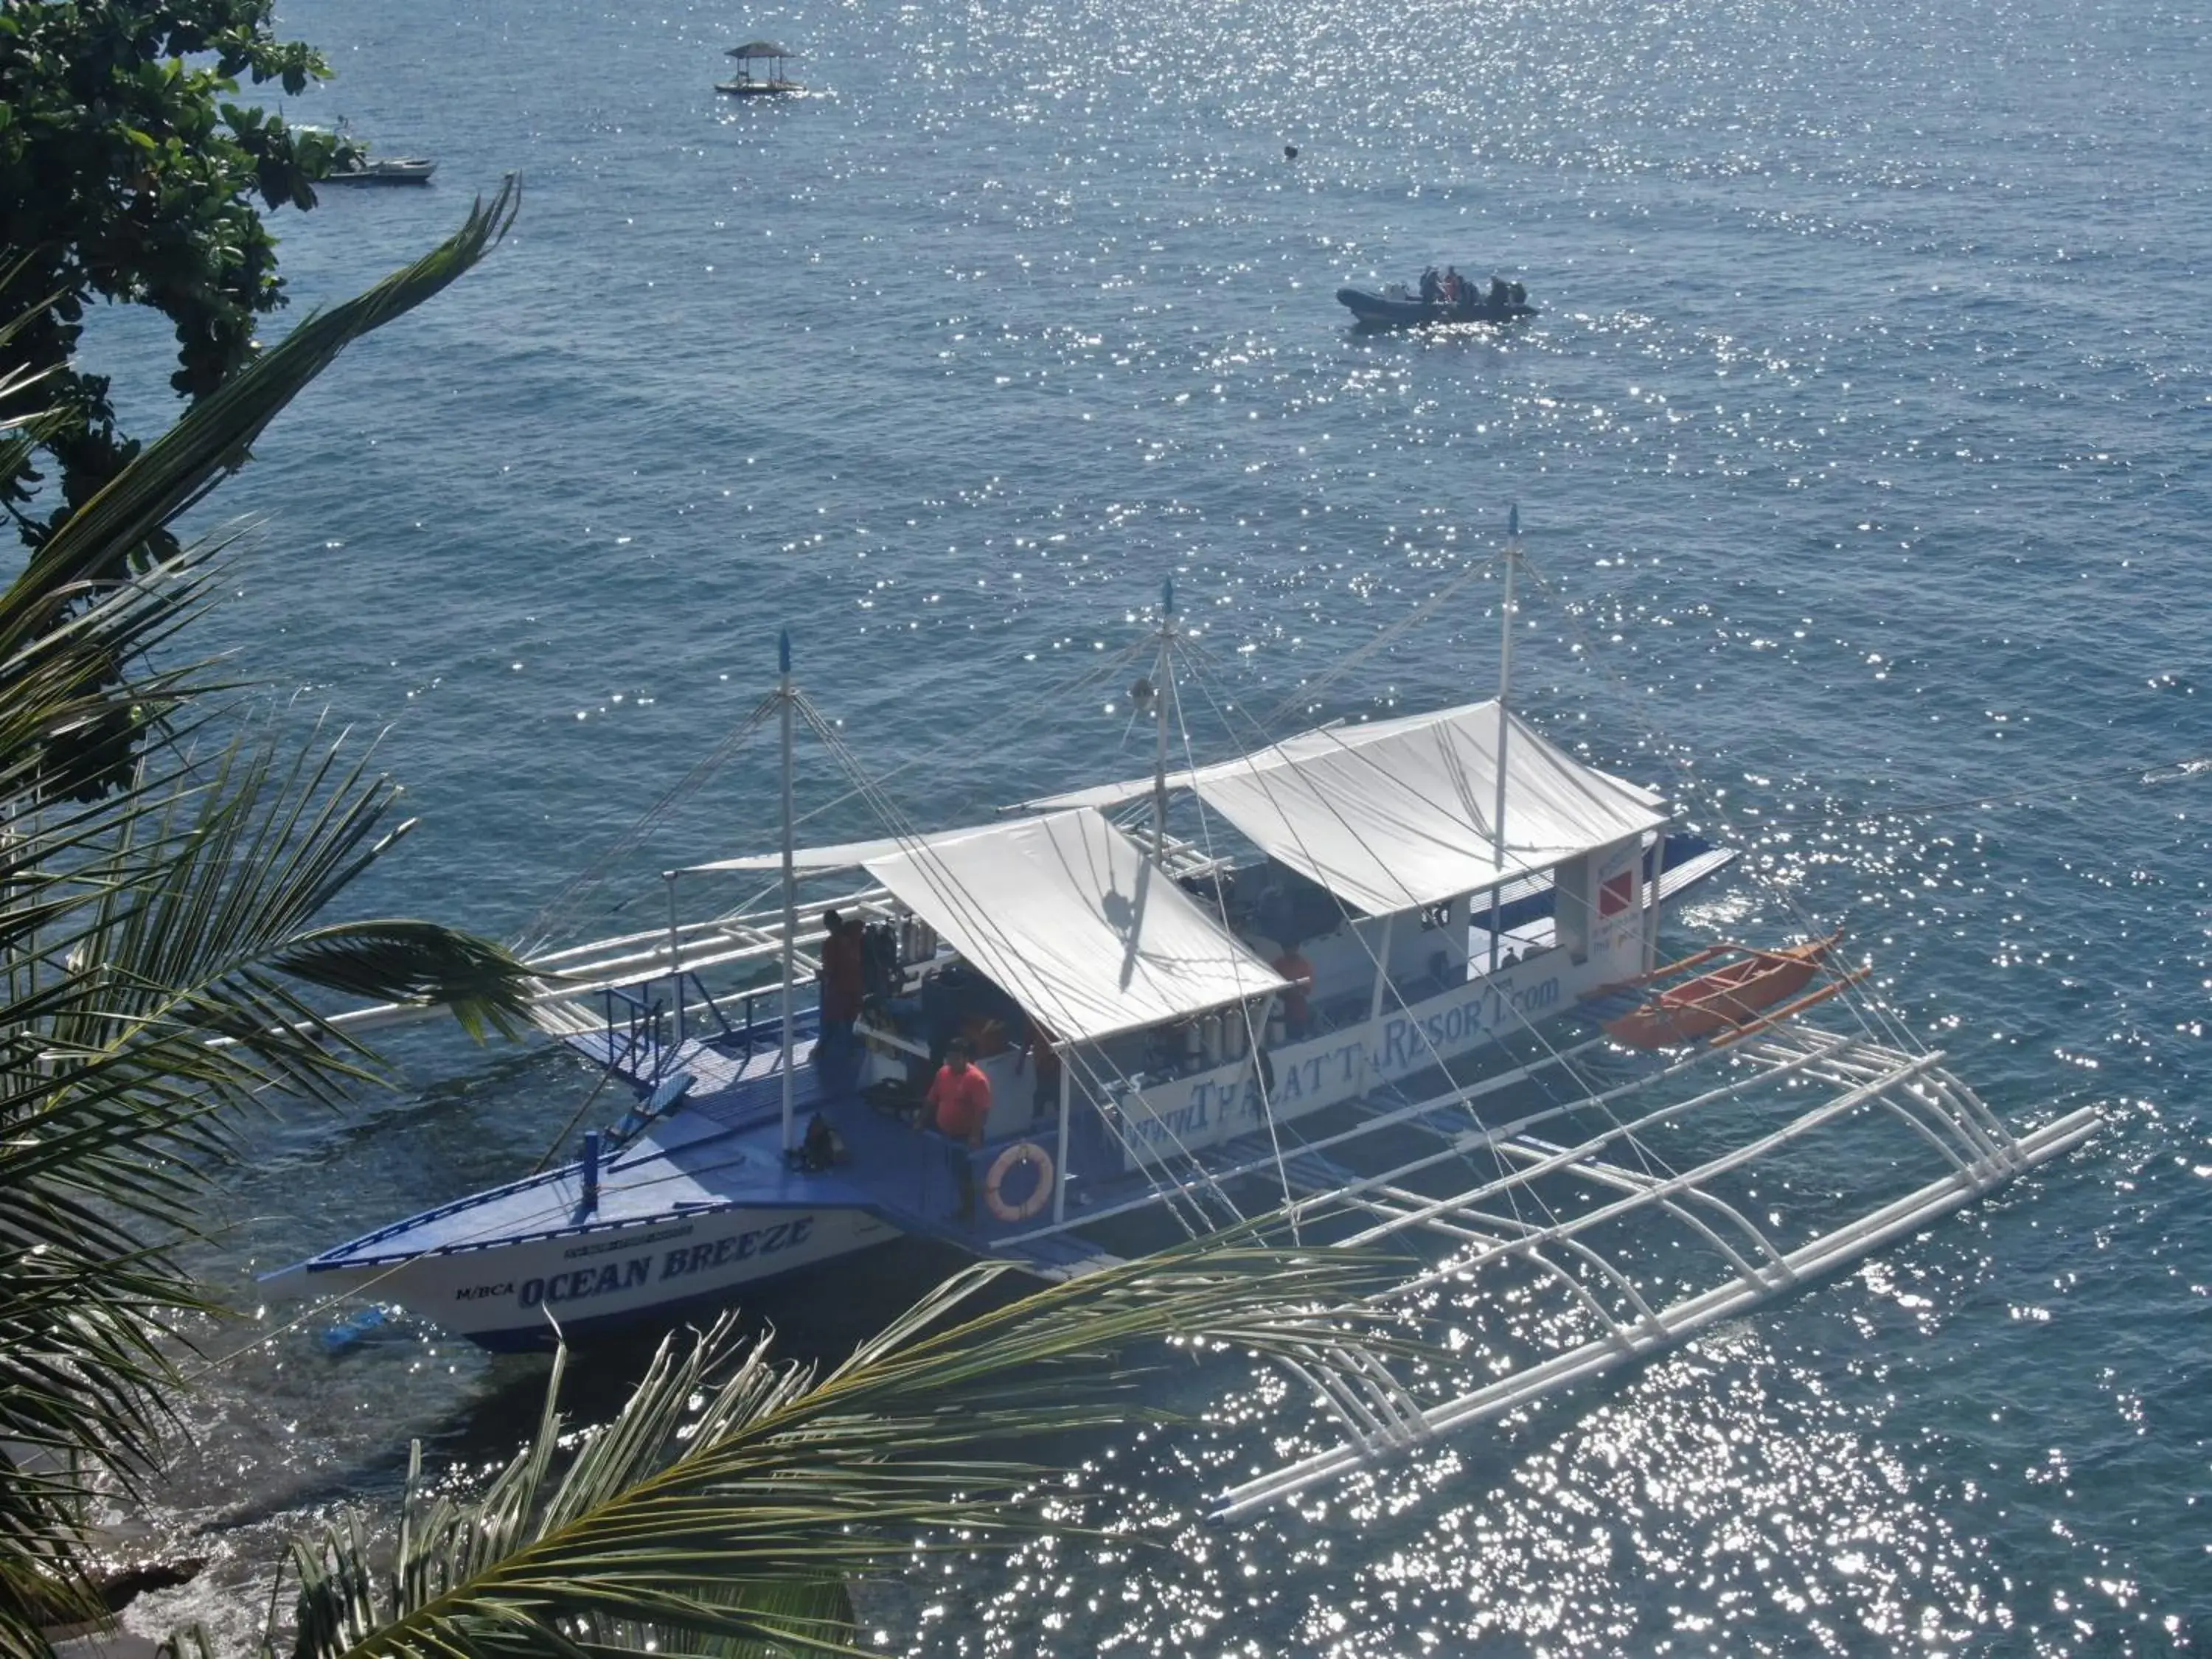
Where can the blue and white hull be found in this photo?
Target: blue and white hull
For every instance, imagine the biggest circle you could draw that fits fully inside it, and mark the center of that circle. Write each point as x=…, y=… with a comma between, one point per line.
x=527, y=1293
x=688, y=1213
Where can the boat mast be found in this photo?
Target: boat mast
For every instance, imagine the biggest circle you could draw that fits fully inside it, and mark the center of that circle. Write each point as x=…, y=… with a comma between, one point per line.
x=1161, y=694
x=1504, y=729
x=790, y=881
x=675, y=966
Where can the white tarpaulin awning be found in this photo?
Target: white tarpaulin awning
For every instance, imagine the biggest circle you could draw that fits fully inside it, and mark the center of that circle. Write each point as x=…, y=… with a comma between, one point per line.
x=1067, y=915
x=820, y=860
x=1397, y=813
x=1391, y=820
x=1108, y=796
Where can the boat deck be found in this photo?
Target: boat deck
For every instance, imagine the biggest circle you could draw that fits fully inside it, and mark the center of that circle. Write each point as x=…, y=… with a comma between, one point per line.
x=687, y=1163
x=720, y=1146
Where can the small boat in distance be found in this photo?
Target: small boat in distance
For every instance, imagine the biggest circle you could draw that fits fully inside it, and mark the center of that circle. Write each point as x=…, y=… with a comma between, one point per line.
x=1394, y=308
x=384, y=170
x=771, y=83
x=352, y=164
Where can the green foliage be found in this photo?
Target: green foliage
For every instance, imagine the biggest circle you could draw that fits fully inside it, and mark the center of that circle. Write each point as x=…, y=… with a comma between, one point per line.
x=725, y=1509
x=128, y=174
x=159, y=945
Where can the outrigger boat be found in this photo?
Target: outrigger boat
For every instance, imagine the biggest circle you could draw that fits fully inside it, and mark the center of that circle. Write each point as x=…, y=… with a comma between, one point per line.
x=385, y=170
x=1375, y=1021
x=362, y=169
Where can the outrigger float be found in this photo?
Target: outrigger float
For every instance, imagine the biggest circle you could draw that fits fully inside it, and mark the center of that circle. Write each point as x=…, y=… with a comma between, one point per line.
x=1397, y=1017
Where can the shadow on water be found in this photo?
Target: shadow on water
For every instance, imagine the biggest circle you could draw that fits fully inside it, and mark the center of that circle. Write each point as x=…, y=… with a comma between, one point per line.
x=815, y=1317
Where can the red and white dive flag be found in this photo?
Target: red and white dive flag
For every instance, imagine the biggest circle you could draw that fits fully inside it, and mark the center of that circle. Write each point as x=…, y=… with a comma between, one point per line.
x=1617, y=895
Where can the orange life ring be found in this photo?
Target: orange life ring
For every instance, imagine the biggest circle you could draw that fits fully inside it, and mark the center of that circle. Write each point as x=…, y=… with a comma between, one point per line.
x=1015, y=1157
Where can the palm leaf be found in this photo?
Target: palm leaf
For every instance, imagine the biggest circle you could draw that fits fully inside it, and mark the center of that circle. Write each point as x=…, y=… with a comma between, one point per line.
x=184, y=907
x=212, y=440
x=726, y=1507
x=403, y=961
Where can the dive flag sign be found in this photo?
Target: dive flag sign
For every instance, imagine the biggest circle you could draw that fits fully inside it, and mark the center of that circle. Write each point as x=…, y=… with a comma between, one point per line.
x=1616, y=894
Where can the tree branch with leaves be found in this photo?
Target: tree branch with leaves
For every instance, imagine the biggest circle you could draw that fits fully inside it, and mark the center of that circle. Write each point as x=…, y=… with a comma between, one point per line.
x=132, y=174
x=164, y=942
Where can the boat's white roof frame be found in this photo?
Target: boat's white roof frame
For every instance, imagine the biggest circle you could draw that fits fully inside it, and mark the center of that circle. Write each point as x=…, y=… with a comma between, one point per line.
x=1394, y=814
x=1319, y=739
x=1386, y=815
x=839, y=855
x=1062, y=911
x=1068, y=916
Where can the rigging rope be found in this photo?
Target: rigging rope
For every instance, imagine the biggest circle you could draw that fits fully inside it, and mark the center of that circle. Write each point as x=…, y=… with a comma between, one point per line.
x=1254, y=1041
x=537, y=932
x=572, y=897
x=1308, y=693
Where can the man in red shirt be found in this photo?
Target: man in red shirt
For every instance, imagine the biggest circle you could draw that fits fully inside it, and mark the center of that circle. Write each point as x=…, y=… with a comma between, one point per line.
x=957, y=1105
x=960, y=1100
x=843, y=977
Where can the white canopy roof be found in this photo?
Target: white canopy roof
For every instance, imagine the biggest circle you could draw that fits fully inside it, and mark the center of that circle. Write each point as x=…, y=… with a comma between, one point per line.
x=1065, y=914
x=844, y=855
x=1322, y=739
x=1397, y=813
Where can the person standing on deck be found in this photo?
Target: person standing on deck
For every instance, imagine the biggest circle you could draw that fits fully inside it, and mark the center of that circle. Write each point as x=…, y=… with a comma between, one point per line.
x=1297, y=1012
x=960, y=1099
x=957, y=1106
x=844, y=973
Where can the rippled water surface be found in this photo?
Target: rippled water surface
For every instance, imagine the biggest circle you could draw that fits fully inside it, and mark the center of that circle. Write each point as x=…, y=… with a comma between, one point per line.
x=1862, y=445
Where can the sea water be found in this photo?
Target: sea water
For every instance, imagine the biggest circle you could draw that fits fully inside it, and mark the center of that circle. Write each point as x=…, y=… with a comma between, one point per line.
x=1861, y=450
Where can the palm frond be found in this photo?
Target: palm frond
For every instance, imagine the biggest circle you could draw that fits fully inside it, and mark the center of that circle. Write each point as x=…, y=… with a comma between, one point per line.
x=728, y=1505
x=138, y=925
x=171, y=918
x=213, y=438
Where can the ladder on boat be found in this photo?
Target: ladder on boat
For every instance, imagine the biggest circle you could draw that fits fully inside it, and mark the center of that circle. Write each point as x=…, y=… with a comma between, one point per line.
x=1548, y=1207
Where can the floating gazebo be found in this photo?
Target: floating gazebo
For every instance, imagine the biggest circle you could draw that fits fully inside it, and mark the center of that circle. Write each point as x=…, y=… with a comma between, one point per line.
x=766, y=81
